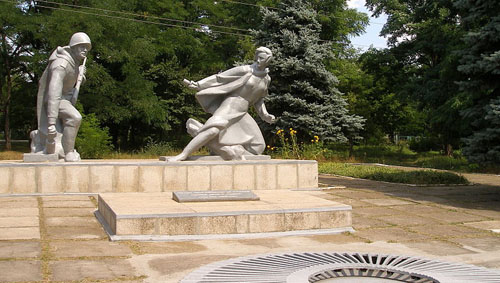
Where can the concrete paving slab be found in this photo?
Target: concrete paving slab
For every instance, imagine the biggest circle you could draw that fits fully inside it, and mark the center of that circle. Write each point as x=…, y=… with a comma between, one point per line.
x=490, y=213
x=487, y=243
x=32, y=203
x=448, y=231
x=419, y=209
x=337, y=239
x=90, y=248
x=72, y=270
x=353, y=202
x=19, y=271
x=391, y=234
x=21, y=221
x=407, y=220
x=376, y=211
x=68, y=203
x=439, y=248
x=362, y=222
x=15, y=212
x=21, y=233
x=72, y=221
x=167, y=247
x=387, y=202
x=359, y=194
x=20, y=249
x=55, y=232
x=17, y=198
x=486, y=225
x=454, y=217
x=65, y=212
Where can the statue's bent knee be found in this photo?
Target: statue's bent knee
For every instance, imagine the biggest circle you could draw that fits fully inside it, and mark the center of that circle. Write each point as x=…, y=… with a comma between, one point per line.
x=74, y=120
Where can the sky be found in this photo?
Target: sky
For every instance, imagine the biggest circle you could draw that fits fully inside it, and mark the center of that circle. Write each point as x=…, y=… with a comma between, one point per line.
x=371, y=37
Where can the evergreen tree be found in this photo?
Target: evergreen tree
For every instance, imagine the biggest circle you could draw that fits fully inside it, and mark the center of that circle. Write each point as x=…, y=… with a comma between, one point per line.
x=480, y=62
x=303, y=93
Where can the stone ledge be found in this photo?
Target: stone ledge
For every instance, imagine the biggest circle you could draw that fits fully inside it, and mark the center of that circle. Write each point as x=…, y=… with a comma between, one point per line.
x=100, y=176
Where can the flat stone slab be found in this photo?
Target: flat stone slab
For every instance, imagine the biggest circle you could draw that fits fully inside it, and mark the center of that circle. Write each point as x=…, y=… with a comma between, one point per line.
x=36, y=157
x=218, y=158
x=206, y=196
x=277, y=211
x=20, y=271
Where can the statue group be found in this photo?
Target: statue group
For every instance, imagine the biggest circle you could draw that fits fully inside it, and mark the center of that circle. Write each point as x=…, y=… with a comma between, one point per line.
x=230, y=132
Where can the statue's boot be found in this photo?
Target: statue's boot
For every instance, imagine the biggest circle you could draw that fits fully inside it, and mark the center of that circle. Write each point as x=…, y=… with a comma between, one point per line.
x=68, y=142
x=72, y=156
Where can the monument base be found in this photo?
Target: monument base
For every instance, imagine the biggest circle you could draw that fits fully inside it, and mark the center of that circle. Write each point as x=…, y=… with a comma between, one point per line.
x=38, y=157
x=218, y=158
x=150, y=176
x=156, y=216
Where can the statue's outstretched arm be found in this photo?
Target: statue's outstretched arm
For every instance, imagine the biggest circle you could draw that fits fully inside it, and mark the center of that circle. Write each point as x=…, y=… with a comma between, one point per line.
x=262, y=111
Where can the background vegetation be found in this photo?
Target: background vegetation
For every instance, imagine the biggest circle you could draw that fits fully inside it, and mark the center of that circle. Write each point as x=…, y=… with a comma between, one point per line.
x=437, y=82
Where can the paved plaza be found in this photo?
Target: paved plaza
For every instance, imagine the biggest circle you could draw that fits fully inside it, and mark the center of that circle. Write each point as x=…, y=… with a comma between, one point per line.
x=58, y=239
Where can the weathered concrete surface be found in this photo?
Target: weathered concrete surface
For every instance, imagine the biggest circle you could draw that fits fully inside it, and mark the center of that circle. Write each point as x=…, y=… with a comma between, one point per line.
x=90, y=248
x=446, y=223
x=91, y=269
x=16, y=271
x=18, y=249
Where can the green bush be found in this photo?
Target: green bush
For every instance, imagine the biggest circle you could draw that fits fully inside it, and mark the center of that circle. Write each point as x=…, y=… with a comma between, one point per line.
x=393, y=175
x=154, y=148
x=92, y=140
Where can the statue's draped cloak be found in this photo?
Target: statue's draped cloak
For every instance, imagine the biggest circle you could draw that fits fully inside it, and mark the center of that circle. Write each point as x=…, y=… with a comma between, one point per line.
x=236, y=128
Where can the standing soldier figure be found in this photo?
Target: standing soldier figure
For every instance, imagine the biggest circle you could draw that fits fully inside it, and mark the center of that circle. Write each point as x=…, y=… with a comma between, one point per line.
x=58, y=119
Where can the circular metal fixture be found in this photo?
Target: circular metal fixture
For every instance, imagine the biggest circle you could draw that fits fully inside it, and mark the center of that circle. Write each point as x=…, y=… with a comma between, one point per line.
x=333, y=267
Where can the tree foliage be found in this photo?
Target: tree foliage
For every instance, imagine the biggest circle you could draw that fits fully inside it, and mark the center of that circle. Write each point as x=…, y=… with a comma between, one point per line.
x=303, y=92
x=480, y=89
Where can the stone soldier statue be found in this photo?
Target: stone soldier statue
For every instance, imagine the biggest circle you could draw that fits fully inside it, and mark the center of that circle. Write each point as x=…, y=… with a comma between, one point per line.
x=58, y=119
x=231, y=132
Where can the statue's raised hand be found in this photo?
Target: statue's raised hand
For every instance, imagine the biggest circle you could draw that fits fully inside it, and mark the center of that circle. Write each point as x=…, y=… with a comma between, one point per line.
x=269, y=118
x=191, y=84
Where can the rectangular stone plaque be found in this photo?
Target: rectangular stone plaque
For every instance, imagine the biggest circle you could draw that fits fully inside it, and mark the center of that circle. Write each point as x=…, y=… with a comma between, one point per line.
x=206, y=196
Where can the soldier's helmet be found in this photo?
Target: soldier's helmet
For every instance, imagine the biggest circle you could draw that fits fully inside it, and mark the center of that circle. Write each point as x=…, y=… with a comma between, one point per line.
x=80, y=38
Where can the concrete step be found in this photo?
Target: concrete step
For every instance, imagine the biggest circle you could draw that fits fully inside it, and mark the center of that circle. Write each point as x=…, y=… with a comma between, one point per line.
x=145, y=216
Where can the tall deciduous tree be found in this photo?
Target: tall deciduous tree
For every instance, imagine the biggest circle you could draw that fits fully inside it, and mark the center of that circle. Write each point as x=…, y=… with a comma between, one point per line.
x=480, y=62
x=424, y=36
x=17, y=38
x=303, y=92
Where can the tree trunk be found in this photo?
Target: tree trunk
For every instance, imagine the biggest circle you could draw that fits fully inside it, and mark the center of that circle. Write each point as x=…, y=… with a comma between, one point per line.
x=351, y=147
x=449, y=150
x=8, y=145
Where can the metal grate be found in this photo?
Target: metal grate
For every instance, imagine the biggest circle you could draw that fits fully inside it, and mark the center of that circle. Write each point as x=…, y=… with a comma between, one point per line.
x=315, y=267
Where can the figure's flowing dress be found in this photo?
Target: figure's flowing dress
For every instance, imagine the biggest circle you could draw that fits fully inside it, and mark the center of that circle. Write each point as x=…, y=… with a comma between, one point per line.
x=236, y=125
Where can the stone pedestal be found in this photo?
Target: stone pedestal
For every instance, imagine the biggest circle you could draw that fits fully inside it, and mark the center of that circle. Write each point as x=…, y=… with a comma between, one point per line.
x=135, y=216
x=102, y=176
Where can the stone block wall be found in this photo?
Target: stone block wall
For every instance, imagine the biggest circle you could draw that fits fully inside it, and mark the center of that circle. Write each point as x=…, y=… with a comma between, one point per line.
x=155, y=176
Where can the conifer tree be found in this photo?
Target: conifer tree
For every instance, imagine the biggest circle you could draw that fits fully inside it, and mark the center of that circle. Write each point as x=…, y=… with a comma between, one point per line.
x=303, y=93
x=480, y=62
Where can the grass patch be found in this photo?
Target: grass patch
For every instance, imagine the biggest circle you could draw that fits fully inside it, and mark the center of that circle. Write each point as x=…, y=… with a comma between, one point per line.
x=377, y=173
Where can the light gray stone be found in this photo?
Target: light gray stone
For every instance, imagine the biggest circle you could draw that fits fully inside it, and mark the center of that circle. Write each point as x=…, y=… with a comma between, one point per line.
x=208, y=196
x=19, y=249
x=58, y=119
x=38, y=157
x=231, y=132
x=19, y=271
x=73, y=270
